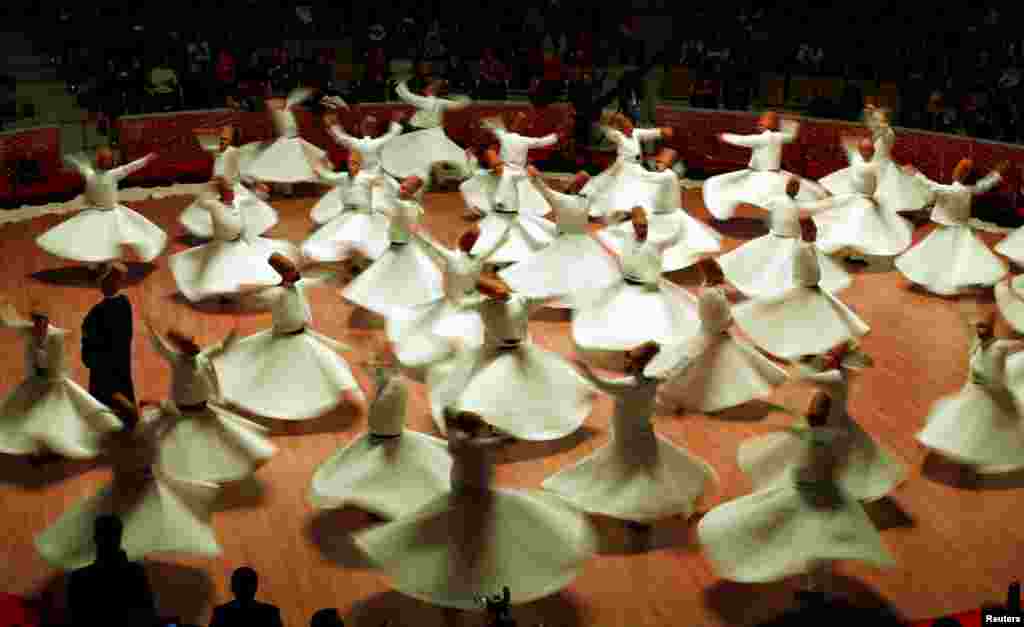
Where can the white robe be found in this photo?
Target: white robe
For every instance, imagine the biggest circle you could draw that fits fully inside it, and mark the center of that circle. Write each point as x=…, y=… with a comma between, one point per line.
x=513, y=185
x=667, y=217
x=952, y=258
x=762, y=180
x=638, y=476
x=413, y=154
x=1010, y=300
x=712, y=370
x=393, y=476
x=100, y=232
x=210, y=444
x=228, y=165
x=48, y=411
x=348, y=218
x=476, y=538
x=623, y=185
x=518, y=387
x=282, y=373
x=869, y=471
x=792, y=526
x=763, y=267
x=807, y=319
x=981, y=425
x=290, y=159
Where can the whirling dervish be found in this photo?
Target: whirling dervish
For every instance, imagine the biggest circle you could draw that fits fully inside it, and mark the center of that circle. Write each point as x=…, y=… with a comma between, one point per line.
x=855, y=224
x=48, y=414
x=514, y=190
x=348, y=217
x=869, y=471
x=369, y=146
x=639, y=476
x=528, y=233
x=712, y=370
x=289, y=371
x=415, y=153
x=478, y=191
x=952, y=259
x=806, y=319
x=228, y=166
x=204, y=442
x=405, y=275
x=763, y=267
x=425, y=335
x=388, y=470
x=161, y=513
x=895, y=191
x=236, y=258
x=557, y=271
x=259, y=217
x=523, y=390
x=290, y=159
x=799, y=526
x=764, y=178
x=98, y=234
x=623, y=184
x=667, y=218
x=476, y=538
x=981, y=426
x=639, y=306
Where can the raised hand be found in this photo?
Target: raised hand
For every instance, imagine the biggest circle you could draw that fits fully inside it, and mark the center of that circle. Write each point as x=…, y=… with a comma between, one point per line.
x=532, y=171
x=667, y=132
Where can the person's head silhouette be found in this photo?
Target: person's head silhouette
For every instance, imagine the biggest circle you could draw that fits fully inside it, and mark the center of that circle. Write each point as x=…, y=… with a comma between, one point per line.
x=244, y=582
x=107, y=536
x=327, y=617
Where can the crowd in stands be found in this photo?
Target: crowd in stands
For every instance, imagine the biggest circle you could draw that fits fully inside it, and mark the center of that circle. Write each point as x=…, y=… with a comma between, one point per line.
x=547, y=48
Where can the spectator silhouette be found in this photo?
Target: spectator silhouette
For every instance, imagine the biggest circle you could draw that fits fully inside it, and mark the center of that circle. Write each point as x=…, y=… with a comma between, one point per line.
x=107, y=342
x=111, y=590
x=245, y=610
x=327, y=617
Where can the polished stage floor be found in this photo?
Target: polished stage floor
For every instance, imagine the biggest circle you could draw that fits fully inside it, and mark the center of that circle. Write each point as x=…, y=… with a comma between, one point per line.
x=957, y=546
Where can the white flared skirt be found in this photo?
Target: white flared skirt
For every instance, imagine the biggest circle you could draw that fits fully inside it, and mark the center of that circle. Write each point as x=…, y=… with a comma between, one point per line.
x=423, y=336
x=528, y=392
x=777, y=533
x=287, y=160
x=572, y=262
x=528, y=234
x=620, y=192
x=724, y=193
x=868, y=473
x=392, y=477
x=288, y=377
x=413, y=154
x=404, y=276
x=160, y=515
x=479, y=192
x=1010, y=300
x=214, y=445
x=624, y=315
x=259, y=216
x=1012, y=246
x=220, y=268
x=54, y=415
x=949, y=260
x=763, y=268
x=980, y=426
x=348, y=232
x=857, y=224
x=723, y=374
x=458, y=549
x=100, y=235
x=697, y=242
x=801, y=321
x=642, y=479
x=897, y=191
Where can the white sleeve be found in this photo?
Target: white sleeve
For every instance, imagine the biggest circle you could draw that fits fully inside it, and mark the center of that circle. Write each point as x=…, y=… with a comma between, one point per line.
x=647, y=134
x=402, y=89
x=131, y=168
x=748, y=141
x=988, y=183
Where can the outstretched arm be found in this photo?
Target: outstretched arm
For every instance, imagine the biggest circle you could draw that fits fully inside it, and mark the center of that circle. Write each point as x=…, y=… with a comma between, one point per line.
x=437, y=251
x=542, y=142
x=10, y=319
x=217, y=349
x=133, y=167
x=746, y=141
x=81, y=164
x=160, y=345
x=789, y=130
x=403, y=91
x=487, y=254
x=988, y=183
x=339, y=135
x=394, y=130
x=647, y=134
x=605, y=385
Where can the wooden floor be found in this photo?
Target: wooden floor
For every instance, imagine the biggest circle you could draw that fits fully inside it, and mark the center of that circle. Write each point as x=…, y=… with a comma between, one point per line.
x=957, y=547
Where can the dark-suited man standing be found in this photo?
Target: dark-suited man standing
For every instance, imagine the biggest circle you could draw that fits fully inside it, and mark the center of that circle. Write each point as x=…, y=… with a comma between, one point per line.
x=107, y=341
x=245, y=610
